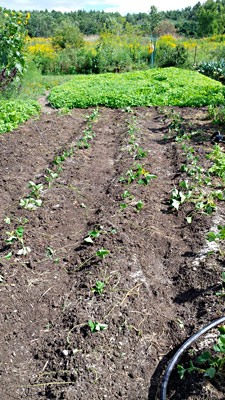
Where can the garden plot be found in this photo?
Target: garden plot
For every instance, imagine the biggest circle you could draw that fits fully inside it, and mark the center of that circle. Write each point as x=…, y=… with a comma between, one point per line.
x=99, y=282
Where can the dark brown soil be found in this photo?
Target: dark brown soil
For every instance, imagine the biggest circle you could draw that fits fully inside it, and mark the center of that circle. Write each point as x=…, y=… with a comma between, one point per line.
x=156, y=273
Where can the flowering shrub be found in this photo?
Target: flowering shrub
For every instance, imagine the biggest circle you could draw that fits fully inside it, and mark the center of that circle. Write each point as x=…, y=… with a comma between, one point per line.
x=170, y=52
x=43, y=46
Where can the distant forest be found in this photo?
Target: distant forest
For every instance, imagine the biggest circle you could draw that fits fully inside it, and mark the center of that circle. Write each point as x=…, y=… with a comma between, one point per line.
x=198, y=21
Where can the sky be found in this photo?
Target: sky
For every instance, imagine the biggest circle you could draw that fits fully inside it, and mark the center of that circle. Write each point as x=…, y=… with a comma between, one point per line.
x=121, y=6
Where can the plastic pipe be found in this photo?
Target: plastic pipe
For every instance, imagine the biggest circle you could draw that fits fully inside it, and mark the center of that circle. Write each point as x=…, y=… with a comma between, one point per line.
x=181, y=350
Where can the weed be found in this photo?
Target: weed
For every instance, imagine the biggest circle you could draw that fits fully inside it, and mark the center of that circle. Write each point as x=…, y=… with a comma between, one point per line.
x=50, y=253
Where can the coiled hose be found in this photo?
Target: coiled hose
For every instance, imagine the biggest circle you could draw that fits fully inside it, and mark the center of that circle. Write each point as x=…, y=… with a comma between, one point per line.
x=181, y=350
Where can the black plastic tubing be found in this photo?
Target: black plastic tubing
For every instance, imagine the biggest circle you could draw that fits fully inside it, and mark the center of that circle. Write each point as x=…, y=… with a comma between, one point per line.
x=181, y=350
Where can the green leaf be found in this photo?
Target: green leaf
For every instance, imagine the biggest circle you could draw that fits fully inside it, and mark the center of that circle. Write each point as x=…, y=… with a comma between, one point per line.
x=19, y=231
x=102, y=253
x=181, y=371
x=92, y=325
x=210, y=372
x=192, y=367
x=175, y=204
x=94, y=233
x=8, y=256
x=7, y=220
x=204, y=357
x=88, y=240
x=189, y=220
x=211, y=237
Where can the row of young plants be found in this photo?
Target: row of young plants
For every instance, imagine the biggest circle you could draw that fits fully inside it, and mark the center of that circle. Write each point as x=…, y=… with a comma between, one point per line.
x=202, y=188
x=15, y=238
x=136, y=173
x=33, y=200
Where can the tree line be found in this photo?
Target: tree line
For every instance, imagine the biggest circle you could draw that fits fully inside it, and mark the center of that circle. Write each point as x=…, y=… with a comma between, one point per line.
x=201, y=20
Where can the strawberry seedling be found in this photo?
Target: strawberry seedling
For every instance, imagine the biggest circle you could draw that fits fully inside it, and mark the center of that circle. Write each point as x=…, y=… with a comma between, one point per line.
x=99, y=287
x=96, y=326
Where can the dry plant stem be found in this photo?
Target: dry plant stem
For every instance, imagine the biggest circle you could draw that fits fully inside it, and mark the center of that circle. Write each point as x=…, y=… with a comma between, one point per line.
x=71, y=330
x=130, y=292
x=45, y=384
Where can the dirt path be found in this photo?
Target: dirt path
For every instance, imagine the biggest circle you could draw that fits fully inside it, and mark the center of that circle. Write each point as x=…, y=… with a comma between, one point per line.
x=48, y=350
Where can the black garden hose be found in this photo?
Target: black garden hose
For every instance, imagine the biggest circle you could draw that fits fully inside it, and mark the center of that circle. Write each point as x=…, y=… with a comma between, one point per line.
x=181, y=350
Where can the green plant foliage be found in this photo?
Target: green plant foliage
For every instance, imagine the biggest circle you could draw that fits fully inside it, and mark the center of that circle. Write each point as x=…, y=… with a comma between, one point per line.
x=12, y=38
x=13, y=113
x=213, y=69
x=209, y=364
x=67, y=35
x=142, y=88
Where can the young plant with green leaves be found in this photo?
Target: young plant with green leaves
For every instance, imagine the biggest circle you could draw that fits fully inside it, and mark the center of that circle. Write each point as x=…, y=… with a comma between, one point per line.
x=96, y=326
x=218, y=237
x=99, y=287
x=17, y=236
x=36, y=189
x=30, y=203
x=208, y=363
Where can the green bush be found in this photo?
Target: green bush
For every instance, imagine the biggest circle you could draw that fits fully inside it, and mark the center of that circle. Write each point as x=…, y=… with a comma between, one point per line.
x=68, y=35
x=167, y=56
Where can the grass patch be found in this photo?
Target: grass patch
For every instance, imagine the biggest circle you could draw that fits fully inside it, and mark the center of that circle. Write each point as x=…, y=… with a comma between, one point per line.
x=167, y=86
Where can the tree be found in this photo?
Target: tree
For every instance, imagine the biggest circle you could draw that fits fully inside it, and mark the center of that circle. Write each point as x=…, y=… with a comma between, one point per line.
x=165, y=27
x=211, y=18
x=153, y=19
x=68, y=35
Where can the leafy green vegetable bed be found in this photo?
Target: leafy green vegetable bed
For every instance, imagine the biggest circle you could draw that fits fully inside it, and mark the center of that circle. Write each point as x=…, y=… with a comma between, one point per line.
x=13, y=113
x=167, y=86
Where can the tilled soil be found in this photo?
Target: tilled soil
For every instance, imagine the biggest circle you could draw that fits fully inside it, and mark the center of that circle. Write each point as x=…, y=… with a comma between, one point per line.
x=160, y=285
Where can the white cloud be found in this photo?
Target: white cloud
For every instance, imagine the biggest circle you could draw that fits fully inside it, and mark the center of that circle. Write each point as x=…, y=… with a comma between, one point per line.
x=121, y=6
x=125, y=6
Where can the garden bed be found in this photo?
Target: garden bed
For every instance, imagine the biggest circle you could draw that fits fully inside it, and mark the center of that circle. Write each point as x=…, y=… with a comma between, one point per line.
x=63, y=335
